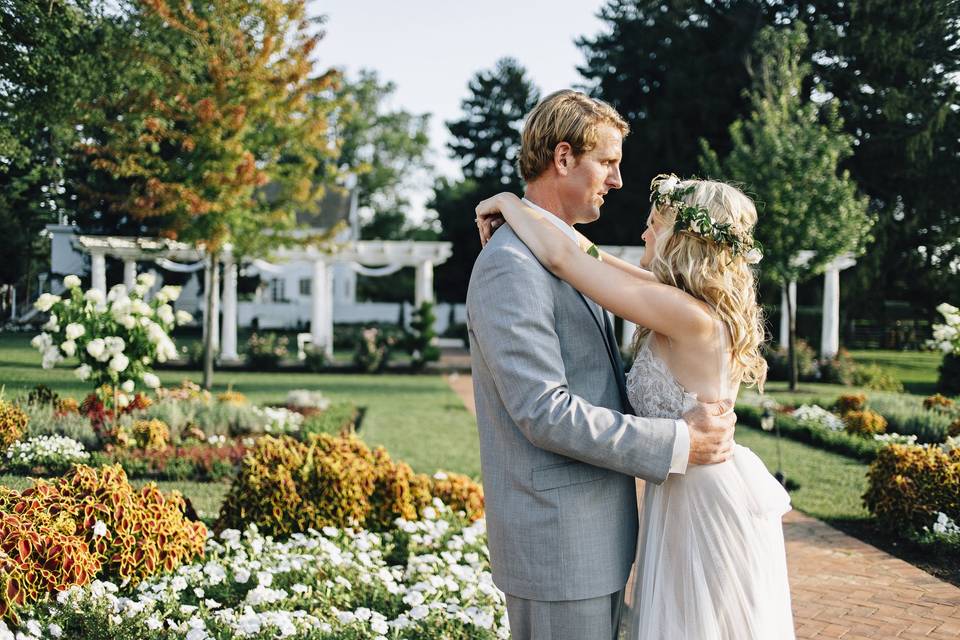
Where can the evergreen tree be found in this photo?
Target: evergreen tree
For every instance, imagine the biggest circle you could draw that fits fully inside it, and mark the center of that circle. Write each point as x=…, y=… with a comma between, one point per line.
x=787, y=154
x=893, y=66
x=486, y=141
x=677, y=71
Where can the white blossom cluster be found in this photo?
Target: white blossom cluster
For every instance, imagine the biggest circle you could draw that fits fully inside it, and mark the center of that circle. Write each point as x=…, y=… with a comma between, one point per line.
x=278, y=420
x=819, y=415
x=51, y=451
x=946, y=336
x=306, y=399
x=895, y=438
x=328, y=584
x=126, y=312
x=945, y=525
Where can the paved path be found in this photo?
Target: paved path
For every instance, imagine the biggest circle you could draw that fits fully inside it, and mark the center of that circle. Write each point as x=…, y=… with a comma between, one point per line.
x=845, y=588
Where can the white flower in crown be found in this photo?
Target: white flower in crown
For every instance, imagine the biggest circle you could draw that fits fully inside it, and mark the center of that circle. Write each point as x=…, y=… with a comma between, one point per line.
x=45, y=301
x=754, y=256
x=947, y=309
x=147, y=279
x=71, y=282
x=668, y=185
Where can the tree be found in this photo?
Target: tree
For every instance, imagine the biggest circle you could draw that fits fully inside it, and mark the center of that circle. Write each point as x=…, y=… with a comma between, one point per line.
x=787, y=154
x=486, y=141
x=53, y=59
x=226, y=148
x=892, y=67
x=676, y=70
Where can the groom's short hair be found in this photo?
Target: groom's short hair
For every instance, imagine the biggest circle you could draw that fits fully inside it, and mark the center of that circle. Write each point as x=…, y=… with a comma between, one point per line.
x=563, y=116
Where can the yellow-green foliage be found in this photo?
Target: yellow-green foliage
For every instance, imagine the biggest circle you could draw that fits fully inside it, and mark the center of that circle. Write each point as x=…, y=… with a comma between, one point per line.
x=48, y=540
x=285, y=486
x=910, y=485
x=851, y=402
x=151, y=435
x=13, y=422
x=232, y=397
x=460, y=493
x=865, y=423
x=937, y=402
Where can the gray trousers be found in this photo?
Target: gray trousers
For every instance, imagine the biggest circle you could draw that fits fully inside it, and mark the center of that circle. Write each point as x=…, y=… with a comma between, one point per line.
x=590, y=619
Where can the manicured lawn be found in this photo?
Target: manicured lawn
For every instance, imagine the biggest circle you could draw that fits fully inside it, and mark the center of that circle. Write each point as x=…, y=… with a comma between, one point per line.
x=917, y=370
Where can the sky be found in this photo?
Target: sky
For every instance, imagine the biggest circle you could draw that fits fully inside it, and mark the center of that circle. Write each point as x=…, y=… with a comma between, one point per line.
x=431, y=48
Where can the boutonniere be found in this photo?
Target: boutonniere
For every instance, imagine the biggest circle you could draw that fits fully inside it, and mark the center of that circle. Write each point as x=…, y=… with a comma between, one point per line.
x=594, y=252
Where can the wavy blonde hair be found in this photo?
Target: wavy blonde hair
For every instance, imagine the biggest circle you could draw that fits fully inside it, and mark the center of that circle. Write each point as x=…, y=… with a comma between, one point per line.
x=710, y=272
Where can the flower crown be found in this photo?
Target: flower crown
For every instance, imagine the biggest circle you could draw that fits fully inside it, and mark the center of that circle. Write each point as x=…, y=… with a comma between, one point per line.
x=665, y=191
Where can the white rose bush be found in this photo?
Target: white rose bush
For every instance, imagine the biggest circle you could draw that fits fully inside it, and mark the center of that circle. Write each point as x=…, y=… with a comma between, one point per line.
x=116, y=337
x=946, y=338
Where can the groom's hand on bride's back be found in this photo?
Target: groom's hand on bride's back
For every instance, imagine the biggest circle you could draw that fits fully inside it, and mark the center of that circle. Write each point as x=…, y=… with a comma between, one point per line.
x=711, y=431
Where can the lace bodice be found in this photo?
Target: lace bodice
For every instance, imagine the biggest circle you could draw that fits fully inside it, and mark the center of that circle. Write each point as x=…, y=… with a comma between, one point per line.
x=653, y=390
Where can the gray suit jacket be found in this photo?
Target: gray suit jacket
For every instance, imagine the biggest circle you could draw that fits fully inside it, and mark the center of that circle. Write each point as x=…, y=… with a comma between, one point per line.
x=558, y=454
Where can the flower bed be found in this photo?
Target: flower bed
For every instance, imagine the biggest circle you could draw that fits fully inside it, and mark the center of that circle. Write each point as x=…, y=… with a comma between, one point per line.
x=427, y=579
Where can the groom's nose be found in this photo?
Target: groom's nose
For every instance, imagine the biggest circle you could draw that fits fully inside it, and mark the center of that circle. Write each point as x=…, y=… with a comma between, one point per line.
x=614, y=181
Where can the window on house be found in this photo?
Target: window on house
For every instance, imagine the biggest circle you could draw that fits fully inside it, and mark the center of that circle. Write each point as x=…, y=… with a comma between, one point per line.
x=277, y=293
x=305, y=286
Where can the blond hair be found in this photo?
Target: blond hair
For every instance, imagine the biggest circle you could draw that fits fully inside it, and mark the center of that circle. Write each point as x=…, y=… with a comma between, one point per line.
x=710, y=272
x=563, y=116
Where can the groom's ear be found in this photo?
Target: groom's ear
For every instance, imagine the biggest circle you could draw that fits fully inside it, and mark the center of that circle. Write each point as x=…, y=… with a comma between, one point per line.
x=563, y=159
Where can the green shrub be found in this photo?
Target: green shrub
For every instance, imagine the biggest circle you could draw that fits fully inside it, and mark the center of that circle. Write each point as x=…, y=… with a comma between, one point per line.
x=778, y=362
x=837, y=441
x=265, y=351
x=340, y=418
x=373, y=350
x=906, y=415
x=875, y=377
x=909, y=486
x=948, y=382
x=316, y=359
x=420, y=340
x=840, y=369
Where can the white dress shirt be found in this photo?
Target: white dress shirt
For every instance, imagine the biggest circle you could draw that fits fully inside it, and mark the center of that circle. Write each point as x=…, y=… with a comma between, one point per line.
x=681, y=444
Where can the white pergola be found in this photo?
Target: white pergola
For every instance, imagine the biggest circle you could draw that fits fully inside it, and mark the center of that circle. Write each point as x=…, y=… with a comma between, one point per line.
x=364, y=256
x=830, y=325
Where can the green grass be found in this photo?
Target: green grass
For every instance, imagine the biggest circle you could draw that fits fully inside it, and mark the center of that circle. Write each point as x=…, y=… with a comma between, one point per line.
x=416, y=417
x=831, y=485
x=917, y=370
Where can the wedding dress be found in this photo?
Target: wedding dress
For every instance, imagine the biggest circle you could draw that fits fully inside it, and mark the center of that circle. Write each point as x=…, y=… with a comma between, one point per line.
x=710, y=559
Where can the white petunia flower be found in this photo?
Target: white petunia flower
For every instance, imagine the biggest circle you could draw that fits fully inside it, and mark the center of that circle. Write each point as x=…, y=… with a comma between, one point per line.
x=147, y=279
x=96, y=348
x=99, y=529
x=128, y=386
x=83, y=372
x=69, y=348
x=71, y=281
x=95, y=296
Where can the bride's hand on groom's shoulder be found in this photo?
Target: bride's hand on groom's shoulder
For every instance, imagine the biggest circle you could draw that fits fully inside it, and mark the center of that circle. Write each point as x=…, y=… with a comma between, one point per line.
x=490, y=214
x=711, y=431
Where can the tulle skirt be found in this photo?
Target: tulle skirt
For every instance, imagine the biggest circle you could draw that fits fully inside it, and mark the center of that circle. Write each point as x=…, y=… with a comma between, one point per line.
x=710, y=558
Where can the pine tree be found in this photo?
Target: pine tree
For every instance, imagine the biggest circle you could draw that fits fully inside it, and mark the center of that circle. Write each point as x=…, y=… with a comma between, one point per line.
x=676, y=70
x=486, y=141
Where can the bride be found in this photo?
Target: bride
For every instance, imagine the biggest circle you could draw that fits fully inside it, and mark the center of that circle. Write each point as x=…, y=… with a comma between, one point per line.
x=710, y=561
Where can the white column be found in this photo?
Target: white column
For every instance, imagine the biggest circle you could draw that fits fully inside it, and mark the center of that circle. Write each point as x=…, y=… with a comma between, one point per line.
x=830, y=331
x=215, y=311
x=784, y=320
x=318, y=308
x=98, y=271
x=424, y=286
x=229, y=329
x=626, y=336
x=129, y=273
x=328, y=316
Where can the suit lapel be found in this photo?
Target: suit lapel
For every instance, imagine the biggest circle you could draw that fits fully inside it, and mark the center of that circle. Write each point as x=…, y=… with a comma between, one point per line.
x=609, y=342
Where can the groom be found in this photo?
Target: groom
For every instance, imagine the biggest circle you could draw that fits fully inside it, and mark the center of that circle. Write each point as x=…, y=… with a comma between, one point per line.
x=559, y=447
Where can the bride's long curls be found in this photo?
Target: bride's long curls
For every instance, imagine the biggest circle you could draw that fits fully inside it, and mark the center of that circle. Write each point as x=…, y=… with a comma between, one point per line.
x=713, y=272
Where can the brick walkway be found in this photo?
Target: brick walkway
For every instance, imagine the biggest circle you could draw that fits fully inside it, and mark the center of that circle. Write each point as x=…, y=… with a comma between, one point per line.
x=845, y=588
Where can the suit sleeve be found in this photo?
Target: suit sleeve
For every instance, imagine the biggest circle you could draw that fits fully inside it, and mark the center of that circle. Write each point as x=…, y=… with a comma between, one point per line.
x=510, y=306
